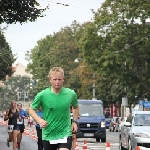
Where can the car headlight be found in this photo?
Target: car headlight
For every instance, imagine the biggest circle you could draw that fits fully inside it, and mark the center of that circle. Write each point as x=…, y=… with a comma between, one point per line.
x=103, y=124
x=141, y=135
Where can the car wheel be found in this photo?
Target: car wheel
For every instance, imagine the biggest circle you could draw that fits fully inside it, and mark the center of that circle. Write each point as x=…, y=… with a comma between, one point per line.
x=116, y=130
x=129, y=145
x=110, y=129
x=103, y=140
x=113, y=129
x=97, y=139
x=121, y=147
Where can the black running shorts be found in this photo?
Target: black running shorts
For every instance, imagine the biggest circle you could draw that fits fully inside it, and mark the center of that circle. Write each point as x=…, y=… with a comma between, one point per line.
x=48, y=146
x=21, y=128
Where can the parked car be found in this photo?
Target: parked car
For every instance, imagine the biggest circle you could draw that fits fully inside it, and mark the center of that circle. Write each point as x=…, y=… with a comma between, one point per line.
x=136, y=131
x=107, y=122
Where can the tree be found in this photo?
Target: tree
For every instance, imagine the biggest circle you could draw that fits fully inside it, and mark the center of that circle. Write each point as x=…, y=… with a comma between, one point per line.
x=14, y=85
x=61, y=49
x=117, y=46
x=19, y=11
x=6, y=57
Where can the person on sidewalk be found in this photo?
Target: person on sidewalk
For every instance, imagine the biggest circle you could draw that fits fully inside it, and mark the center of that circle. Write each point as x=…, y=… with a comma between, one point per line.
x=23, y=116
x=39, y=131
x=31, y=121
x=12, y=115
x=55, y=102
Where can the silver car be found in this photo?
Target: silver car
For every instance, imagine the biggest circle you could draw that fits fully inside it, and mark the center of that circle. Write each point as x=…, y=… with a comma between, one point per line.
x=136, y=131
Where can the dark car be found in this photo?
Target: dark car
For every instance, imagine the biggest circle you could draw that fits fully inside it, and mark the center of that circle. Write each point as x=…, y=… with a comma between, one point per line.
x=107, y=122
x=92, y=120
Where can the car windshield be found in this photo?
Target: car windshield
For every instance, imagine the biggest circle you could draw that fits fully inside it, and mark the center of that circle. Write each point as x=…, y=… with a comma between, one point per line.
x=142, y=120
x=91, y=109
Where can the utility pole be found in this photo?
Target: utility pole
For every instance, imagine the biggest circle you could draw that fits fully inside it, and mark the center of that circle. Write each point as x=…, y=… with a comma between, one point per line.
x=93, y=87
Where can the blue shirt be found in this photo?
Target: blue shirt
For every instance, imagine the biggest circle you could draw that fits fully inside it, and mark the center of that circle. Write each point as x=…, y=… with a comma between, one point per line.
x=22, y=113
x=39, y=113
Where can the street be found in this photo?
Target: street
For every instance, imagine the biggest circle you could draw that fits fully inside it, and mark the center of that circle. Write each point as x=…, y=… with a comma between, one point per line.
x=27, y=142
x=112, y=137
x=30, y=143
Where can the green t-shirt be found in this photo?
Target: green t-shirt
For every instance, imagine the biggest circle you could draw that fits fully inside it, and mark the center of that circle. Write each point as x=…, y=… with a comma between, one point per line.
x=56, y=111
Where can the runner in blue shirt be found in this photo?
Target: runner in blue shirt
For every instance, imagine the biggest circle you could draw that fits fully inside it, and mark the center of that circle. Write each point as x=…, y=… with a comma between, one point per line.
x=23, y=116
x=39, y=131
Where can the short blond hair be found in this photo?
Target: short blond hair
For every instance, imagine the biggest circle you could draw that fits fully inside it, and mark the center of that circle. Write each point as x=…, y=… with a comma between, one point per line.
x=13, y=101
x=56, y=70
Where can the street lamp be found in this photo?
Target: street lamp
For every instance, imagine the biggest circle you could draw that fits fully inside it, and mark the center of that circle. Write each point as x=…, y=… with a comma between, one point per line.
x=147, y=21
x=77, y=60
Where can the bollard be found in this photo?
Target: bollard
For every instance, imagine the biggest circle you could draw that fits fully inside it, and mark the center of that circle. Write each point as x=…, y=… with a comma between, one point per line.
x=32, y=134
x=107, y=146
x=138, y=148
x=85, y=145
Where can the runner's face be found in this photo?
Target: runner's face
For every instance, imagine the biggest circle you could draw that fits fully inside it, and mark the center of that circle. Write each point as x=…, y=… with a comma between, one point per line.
x=13, y=104
x=19, y=106
x=56, y=80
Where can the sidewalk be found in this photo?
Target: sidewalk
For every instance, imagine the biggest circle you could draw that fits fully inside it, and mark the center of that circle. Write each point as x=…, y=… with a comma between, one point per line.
x=28, y=143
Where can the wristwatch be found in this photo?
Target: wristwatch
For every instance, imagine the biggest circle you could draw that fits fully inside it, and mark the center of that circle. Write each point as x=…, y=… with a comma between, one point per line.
x=75, y=121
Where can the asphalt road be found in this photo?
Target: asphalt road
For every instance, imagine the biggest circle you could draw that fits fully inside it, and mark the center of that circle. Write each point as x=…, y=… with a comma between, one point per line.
x=112, y=137
x=27, y=142
x=31, y=144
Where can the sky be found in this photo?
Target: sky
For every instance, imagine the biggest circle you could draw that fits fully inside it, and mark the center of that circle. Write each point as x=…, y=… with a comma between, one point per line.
x=23, y=38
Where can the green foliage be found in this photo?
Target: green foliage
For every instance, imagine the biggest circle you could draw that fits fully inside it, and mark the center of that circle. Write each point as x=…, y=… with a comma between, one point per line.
x=60, y=49
x=6, y=58
x=116, y=46
x=16, y=84
x=19, y=11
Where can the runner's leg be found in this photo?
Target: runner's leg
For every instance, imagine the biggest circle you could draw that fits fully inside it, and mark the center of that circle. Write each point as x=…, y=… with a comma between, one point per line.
x=73, y=141
x=39, y=135
x=15, y=133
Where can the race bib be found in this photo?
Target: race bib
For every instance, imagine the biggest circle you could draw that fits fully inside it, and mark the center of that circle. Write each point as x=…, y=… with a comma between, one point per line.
x=19, y=121
x=71, y=115
x=63, y=140
x=10, y=128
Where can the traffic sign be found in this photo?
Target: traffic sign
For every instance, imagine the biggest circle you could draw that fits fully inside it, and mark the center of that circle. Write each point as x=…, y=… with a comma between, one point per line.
x=147, y=104
x=141, y=102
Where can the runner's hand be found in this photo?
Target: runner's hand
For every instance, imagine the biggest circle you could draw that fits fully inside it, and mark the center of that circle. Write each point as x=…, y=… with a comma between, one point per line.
x=10, y=115
x=74, y=127
x=42, y=123
x=19, y=118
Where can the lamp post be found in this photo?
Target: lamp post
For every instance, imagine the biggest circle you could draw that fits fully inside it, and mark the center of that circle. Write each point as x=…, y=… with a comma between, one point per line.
x=77, y=60
x=147, y=21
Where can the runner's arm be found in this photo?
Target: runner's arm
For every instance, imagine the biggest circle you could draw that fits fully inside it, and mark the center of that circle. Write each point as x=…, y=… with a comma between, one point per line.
x=25, y=114
x=33, y=114
x=75, y=112
x=6, y=117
